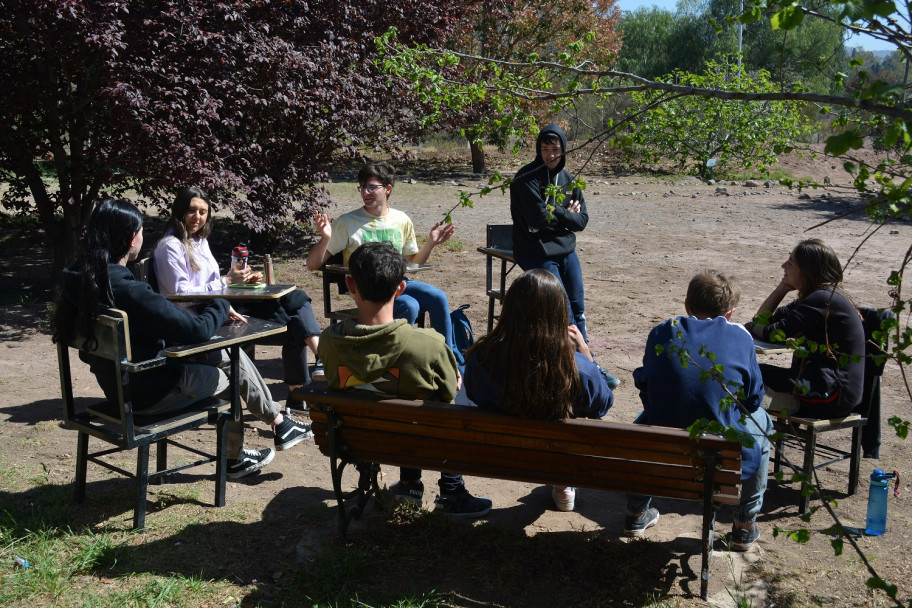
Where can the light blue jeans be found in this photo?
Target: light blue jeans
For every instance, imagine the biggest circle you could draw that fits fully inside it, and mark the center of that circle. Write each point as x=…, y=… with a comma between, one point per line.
x=753, y=487
x=420, y=297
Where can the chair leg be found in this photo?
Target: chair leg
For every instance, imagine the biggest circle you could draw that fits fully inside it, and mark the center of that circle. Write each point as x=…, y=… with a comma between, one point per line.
x=82, y=455
x=810, y=446
x=142, y=485
x=221, y=462
x=777, y=460
x=161, y=460
x=855, y=460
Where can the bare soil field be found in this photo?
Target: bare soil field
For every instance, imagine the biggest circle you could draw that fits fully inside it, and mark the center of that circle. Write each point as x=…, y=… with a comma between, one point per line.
x=646, y=237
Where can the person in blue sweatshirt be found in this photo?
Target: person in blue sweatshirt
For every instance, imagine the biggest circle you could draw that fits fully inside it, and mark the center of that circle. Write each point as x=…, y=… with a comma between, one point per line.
x=676, y=395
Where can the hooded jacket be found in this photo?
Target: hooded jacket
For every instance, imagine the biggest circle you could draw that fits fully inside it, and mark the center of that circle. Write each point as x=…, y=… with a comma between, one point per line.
x=533, y=234
x=393, y=359
x=154, y=323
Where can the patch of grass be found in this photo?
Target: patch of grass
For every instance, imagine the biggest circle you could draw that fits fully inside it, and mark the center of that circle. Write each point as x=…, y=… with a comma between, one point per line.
x=740, y=174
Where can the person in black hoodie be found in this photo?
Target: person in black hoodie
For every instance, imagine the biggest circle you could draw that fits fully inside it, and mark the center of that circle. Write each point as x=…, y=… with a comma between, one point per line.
x=100, y=278
x=545, y=227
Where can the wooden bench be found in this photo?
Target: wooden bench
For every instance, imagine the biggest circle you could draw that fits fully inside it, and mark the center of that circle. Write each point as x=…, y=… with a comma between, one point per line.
x=362, y=430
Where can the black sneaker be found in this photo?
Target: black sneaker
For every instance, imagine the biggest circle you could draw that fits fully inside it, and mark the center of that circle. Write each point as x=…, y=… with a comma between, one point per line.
x=297, y=405
x=290, y=433
x=742, y=539
x=463, y=505
x=411, y=493
x=319, y=373
x=613, y=382
x=635, y=525
x=249, y=461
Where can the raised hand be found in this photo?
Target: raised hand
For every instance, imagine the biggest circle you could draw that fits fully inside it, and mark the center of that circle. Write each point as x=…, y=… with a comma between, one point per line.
x=441, y=233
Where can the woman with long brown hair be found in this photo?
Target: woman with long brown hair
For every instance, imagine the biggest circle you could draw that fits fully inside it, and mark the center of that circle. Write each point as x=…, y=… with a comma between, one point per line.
x=534, y=364
x=827, y=380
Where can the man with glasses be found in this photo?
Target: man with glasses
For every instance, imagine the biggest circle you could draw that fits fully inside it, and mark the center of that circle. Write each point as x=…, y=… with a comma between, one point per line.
x=376, y=221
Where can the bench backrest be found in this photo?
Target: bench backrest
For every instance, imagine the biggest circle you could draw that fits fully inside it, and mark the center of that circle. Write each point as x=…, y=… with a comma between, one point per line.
x=651, y=460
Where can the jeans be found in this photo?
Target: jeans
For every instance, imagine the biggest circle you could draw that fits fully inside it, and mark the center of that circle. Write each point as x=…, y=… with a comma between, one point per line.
x=450, y=483
x=421, y=297
x=567, y=269
x=209, y=377
x=752, y=488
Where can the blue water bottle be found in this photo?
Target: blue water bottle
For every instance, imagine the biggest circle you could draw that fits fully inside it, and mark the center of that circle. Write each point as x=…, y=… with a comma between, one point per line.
x=876, y=523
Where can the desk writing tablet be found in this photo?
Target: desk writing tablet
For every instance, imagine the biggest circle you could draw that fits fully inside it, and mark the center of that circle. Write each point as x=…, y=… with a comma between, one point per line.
x=228, y=335
x=265, y=292
x=762, y=347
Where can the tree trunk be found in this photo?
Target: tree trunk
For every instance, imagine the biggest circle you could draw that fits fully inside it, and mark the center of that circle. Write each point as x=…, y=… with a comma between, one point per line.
x=478, y=156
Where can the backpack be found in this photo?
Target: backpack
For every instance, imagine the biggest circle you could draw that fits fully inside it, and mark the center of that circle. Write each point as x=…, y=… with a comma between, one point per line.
x=462, y=335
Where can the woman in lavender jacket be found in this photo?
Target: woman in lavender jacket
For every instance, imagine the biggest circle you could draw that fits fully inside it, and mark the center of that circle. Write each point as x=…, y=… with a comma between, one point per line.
x=183, y=262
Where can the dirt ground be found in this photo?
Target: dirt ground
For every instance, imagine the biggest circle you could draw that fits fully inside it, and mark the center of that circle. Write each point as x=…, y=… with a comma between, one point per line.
x=646, y=237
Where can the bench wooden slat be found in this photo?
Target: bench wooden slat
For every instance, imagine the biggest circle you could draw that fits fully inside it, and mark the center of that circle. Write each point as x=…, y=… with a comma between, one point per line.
x=363, y=430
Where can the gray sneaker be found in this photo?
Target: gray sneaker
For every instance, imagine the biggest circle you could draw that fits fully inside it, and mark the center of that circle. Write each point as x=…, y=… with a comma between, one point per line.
x=742, y=539
x=635, y=525
x=249, y=461
x=408, y=493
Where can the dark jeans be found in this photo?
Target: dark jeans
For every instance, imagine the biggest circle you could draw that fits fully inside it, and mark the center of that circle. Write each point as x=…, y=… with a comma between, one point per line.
x=293, y=310
x=450, y=483
x=567, y=269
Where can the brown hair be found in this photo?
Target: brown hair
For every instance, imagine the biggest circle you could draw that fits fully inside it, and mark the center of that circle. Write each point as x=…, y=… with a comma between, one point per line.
x=818, y=266
x=176, y=222
x=532, y=349
x=712, y=294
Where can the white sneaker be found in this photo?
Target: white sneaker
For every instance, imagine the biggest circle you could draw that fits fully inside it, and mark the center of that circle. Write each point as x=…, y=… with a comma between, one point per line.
x=564, y=497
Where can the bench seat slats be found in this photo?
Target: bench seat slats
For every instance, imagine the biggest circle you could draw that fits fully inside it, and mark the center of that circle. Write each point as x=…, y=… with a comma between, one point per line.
x=360, y=429
x=533, y=465
x=577, y=438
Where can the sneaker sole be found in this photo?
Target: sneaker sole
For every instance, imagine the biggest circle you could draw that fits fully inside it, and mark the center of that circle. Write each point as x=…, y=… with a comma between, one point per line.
x=293, y=442
x=565, y=507
x=639, y=533
x=252, y=469
x=408, y=500
x=742, y=547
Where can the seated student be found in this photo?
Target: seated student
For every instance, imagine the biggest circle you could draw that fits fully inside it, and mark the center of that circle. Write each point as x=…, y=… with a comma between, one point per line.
x=183, y=262
x=100, y=278
x=377, y=221
x=676, y=395
x=828, y=383
x=554, y=379
x=377, y=353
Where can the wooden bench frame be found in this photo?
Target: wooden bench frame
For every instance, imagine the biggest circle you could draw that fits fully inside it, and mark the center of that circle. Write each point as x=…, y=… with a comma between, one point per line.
x=356, y=428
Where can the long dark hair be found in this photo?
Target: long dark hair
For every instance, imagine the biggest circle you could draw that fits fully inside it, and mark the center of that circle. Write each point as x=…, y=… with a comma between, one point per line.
x=109, y=236
x=818, y=266
x=532, y=348
x=176, y=222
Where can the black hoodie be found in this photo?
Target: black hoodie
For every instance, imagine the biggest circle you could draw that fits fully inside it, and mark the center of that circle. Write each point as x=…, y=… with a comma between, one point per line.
x=533, y=234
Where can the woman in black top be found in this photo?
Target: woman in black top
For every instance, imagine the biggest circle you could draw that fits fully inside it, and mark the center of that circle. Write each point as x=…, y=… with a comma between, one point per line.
x=826, y=377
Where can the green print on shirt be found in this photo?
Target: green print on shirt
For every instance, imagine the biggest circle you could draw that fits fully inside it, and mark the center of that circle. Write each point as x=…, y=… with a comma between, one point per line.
x=383, y=235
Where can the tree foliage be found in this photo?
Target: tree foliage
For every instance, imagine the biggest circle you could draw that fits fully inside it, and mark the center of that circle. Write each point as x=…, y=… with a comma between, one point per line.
x=513, y=30
x=253, y=101
x=692, y=130
x=657, y=42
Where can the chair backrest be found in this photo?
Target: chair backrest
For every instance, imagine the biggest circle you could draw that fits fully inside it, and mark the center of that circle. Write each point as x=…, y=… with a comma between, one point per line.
x=144, y=271
x=500, y=236
x=337, y=259
x=872, y=320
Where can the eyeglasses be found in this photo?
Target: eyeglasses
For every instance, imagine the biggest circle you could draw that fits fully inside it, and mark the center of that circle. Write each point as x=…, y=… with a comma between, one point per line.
x=370, y=189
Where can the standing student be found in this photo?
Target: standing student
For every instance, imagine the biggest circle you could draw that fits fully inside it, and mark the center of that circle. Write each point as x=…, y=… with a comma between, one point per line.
x=184, y=262
x=554, y=379
x=377, y=221
x=100, y=279
x=544, y=229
